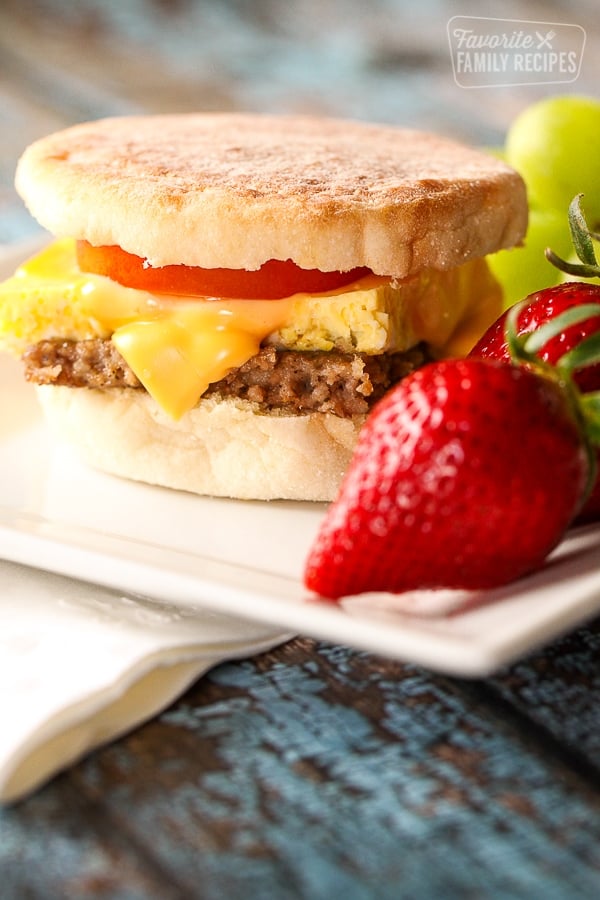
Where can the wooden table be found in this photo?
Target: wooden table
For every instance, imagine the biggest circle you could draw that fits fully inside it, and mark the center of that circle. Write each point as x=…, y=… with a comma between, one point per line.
x=312, y=771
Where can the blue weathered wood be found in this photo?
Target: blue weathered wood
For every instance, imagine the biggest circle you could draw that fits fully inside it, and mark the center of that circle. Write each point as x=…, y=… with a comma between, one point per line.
x=558, y=689
x=317, y=772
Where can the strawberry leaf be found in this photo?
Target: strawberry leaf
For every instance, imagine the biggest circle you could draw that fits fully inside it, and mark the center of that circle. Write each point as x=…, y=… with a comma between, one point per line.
x=578, y=269
x=583, y=242
x=590, y=410
x=524, y=348
x=514, y=342
x=538, y=338
x=584, y=354
x=580, y=233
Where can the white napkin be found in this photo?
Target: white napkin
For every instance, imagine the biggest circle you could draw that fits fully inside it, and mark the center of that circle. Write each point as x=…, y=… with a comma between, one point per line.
x=80, y=665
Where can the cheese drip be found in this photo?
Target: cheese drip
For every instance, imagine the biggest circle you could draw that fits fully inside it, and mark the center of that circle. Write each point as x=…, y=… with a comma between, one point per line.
x=177, y=356
x=178, y=345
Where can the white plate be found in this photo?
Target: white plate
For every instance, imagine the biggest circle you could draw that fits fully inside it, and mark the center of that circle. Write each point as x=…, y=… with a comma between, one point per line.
x=246, y=559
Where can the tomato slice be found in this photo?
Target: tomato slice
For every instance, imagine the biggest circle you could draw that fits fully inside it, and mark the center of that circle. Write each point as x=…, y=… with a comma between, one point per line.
x=274, y=280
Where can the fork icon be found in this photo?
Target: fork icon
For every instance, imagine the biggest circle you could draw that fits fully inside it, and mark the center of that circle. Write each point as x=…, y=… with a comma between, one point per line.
x=545, y=41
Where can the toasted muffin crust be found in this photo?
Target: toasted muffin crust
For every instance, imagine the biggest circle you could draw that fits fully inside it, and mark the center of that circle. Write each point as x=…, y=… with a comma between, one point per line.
x=234, y=190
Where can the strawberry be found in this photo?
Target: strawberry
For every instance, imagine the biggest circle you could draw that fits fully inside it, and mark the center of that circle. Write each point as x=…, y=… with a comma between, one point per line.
x=465, y=475
x=538, y=309
x=546, y=305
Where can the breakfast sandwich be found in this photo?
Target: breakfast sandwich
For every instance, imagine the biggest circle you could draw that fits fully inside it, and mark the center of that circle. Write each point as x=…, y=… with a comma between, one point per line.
x=227, y=295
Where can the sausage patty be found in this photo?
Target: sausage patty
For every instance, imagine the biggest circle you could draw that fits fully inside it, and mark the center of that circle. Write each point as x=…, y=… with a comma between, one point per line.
x=345, y=384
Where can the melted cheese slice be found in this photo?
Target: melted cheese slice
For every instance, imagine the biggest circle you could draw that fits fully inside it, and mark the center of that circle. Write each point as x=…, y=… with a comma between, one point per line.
x=178, y=345
x=177, y=356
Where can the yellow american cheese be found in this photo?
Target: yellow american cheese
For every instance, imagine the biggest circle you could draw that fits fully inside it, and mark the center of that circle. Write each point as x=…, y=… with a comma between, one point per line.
x=178, y=345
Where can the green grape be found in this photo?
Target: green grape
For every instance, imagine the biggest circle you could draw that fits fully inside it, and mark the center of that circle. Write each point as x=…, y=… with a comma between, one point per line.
x=523, y=270
x=555, y=146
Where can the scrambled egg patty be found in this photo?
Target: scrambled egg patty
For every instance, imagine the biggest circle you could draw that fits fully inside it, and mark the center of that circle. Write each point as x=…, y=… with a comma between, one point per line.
x=49, y=296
